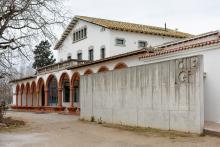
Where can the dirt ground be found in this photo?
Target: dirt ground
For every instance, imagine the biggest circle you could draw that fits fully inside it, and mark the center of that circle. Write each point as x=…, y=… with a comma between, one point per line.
x=55, y=130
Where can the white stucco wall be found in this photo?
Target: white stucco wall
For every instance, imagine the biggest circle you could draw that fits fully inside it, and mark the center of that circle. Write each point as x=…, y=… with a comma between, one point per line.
x=131, y=41
x=97, y=39
x=212, y=85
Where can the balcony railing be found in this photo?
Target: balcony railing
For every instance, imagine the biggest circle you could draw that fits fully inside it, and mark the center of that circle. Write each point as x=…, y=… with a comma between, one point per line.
x=60, y=66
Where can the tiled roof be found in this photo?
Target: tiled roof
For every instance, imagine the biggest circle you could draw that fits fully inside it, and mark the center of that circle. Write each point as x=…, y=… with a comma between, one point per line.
x=178, y=49
x=122, y=26
x=22, y=79
x=132, y=27
x=193, y=38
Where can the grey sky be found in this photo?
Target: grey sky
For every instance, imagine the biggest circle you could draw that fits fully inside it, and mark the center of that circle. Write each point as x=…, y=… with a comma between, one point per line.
x=193, y=16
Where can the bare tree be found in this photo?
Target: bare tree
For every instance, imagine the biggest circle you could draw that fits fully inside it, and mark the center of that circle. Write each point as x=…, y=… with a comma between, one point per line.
x=24, y=21
x=22, y=24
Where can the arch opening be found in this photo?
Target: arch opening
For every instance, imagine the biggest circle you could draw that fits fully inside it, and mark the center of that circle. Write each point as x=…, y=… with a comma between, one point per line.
x=28, y=98
x=34, y=94
x=103, y=69
x=22, y=97
x=52, y=87
x=41, y=100
x=64, y=84
x=75, y=82
x=88, y=71
x=17, y=95
x=120, y=65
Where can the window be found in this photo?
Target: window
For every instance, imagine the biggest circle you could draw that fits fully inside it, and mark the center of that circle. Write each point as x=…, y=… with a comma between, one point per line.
x=79, y=34
x=102, y=29
x=82, y=33
x=85, y=32
x=69, y=57
x=120, y=42
x=142, y=44
x=91, y=54
x=102, y=52
x=79, y=56
x=77, y=37
x=74, y=36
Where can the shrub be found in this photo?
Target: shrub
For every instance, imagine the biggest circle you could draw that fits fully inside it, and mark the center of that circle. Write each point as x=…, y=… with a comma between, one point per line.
x=3, y=108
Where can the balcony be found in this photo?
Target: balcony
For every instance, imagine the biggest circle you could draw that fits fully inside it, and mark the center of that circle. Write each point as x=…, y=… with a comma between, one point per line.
x=60, y=66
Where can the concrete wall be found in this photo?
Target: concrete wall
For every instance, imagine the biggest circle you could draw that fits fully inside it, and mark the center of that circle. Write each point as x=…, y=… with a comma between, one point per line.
x=211, y=59
x=166, y=95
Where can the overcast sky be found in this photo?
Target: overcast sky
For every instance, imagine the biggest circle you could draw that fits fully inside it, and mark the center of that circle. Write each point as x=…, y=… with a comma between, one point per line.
x=193, y=16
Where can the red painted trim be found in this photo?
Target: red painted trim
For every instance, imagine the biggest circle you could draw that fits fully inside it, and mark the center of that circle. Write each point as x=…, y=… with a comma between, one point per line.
x=88, y=71
x=103, y=69
x=120, y=65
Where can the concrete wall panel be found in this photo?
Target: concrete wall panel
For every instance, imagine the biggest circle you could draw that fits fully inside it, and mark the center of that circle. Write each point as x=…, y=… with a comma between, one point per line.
x=165, y=95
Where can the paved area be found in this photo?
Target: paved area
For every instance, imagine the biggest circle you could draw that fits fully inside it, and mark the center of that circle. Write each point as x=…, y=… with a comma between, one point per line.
x=55, y=130
x=212, y=128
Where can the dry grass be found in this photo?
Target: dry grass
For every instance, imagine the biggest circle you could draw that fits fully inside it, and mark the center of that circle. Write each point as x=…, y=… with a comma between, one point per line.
x=146, y=131
x=11, y=124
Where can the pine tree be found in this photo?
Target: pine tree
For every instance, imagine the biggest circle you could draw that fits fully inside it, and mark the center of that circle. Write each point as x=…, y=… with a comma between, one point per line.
x=42, y=55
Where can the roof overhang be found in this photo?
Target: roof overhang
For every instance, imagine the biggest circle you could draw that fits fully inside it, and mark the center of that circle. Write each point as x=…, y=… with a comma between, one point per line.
x=22, y=79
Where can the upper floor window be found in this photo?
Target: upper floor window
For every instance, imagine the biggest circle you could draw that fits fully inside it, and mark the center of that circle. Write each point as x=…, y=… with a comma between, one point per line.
x=79, y=34
x=142, y=44
x=102, y=29
x=120, y=41
x=91, y=56
x=79, y=56
x=69, y=57
x=102, y=51
x=85, y=32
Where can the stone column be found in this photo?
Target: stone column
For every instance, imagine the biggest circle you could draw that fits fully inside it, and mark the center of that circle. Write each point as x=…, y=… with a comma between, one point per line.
x=46, y=97
x=38, y=99
x=17, y=99
x=26, y=98
x=60, y=97
x=32, y=98
x=21, y=98
x=78, y=107
x=71, y=97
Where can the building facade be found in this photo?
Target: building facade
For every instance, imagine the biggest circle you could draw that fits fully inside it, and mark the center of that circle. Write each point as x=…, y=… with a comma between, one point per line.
x=92, y=46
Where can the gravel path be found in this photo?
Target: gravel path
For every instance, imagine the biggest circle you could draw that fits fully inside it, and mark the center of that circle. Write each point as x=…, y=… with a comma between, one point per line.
x=55, y=130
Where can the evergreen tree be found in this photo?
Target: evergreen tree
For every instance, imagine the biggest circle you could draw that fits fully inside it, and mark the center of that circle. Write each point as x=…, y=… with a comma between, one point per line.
x=42, y=55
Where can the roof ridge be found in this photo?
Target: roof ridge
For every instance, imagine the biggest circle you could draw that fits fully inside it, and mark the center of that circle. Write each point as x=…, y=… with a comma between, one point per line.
x=117, y=21
x=122, y=26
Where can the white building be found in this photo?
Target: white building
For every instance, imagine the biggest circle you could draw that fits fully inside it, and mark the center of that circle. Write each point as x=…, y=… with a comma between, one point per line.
x=93, y=45
x=106, y=38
